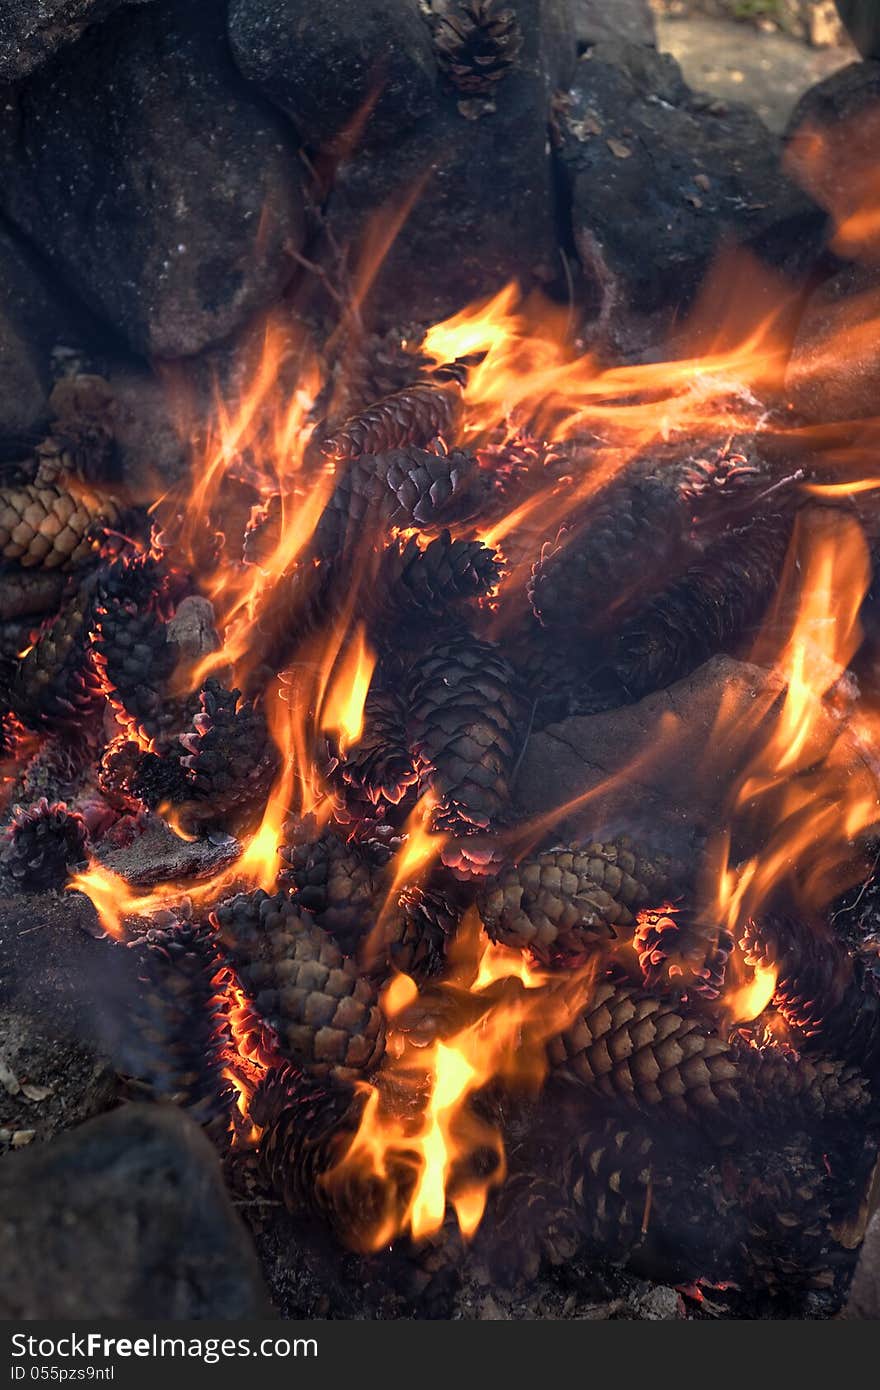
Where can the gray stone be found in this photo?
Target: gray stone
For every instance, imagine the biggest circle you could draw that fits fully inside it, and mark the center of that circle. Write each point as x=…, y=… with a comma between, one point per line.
x=125, y=1216
x=475, y=197
x=834, y=369
x=651, y=165
x=864, y=1294
x=32, y=30
x=335, y=65
x=597, y=20
x=145, y=169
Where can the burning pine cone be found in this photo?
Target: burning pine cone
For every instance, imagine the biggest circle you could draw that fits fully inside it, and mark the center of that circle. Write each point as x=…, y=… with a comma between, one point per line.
x=412, y=416
x=463, y=718
x=54, y=684
x=333, y=881
x=325, y=1015
x=414, y=935
x=230, y=759
x=380, y=763
x=563, y=901
x=44, y=842
x=477, y=42
x=647, y=1052
x=677, y=950
x=130, y=644
x=29, y=593
x=432, y=581
x=56, y=527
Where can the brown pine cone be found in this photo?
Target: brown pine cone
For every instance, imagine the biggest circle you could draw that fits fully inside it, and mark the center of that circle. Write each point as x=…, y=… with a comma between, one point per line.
x=477, y=42
x=43, y=844
x=56, y=527
x=325, y=1015
x=127, y=776
x=380, y=763
x=414, y=415
x=308, y=1123
x=677, y=950
x=464, y=719
x=28, y=593
x=818, y=990
x=175, y=1038
x=230, y=759
x=413, y=582
x=54, y=684
x=648, y=1052
x=563, y=901
x=333, y=880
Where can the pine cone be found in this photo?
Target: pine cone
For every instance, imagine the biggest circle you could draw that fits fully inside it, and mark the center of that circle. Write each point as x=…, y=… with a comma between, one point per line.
x=529, y=1223
x=714, y=603
x=82, y=442
x=55, y=770
x=130, y=645
x=415, y=934
x=54, y=684
x=129, y=775
x=400, y=488
x=175, y=1040
x=415, y=582
x=647, y=1052
x=380, y=763
x=563, y=901
x=609, y=1173
x=818, y=991
x=677, y=950
x=333, y=881
x=463, y=719
x=639, y=534
x=231, y=760
x=43, y=844
x=308, y=1123
x=55, y=527
x=412, y=416
x=477, y=42
x=325, y=1015
x=29, y=593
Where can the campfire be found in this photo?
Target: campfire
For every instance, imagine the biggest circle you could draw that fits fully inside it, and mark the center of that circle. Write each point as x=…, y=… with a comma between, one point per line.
x=478, y=773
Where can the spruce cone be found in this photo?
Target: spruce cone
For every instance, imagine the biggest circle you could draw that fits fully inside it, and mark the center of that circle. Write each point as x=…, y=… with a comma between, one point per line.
x=231, y=760
x=609, y=1173
x=54, y=684
x=55, y=770
x=640, y=533
x=415, y=934
x=414, y=415
x=477, y=42
x=333, y=881
x=43, y=844
x=714, y=602
x=563, y=901
x=325, y=1015
x=463, y=719
x=308, y=1124
x=130, y=644
x=675, y=949
x=56, y=527
x=175, y=1042
x=647, y=1052
x=447, y=572
x=818, y=991
x=530, y=1222
x=380, y=763
x=27, y=593
x=400, y=488
x=127, y=774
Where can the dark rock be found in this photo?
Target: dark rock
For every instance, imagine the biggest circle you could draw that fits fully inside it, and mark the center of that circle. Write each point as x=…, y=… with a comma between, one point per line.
x=32, y=30
x=864, y=1296
x=125, y=1216
x=862, y=19
x=145, y=169
x=336, y=64
x=596, y=20
x=471, y=183
x=650, y=164
x=834, y=369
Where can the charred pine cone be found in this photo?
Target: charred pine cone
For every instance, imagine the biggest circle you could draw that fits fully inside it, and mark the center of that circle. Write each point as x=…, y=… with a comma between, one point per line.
x=130, y=644
x=412, y=416
x=325, y=1015
x=818, y=990
x=676, y=950
x=563, y=901
x=414, y=934
x=648, y=1052
x=640, y=534
x=127, y=774
x=54, y=684
x=416, y=582
x=477, y=42
x=55, y=770
x=714, y=603
x=53, y=526
x=308, y=1124
x=43, y=844
x=179, y=1029
x=333, y=881
x=464, y=718
x=230, y=759
x=380, y=763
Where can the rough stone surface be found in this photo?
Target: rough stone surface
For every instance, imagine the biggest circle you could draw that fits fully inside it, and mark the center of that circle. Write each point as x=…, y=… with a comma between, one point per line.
x=845, y=111
x=648, y=163
x=125, y=1216
x=159, y=186
x=473, y=188
x=152, y=446
x=32, y=30
x=834, y=371
x=56, y=1080
x=596, y=20
x=862, y=19
x=335, y=65
x=864, y=1296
